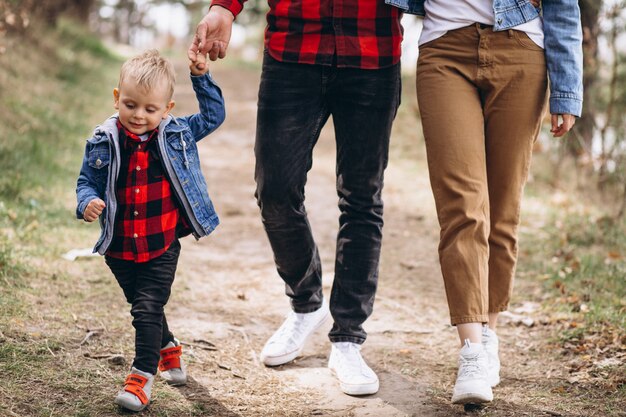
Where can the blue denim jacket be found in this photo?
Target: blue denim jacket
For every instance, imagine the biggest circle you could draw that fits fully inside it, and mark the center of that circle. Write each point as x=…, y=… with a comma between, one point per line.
x=178, y=152
x=562, y=37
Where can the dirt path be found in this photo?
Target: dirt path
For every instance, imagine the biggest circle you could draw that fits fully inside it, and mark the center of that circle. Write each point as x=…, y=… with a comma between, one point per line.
x=228, y=293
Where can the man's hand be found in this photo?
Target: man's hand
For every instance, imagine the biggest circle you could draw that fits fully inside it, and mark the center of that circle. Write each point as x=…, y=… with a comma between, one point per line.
x=535, y=3
x=212, y=36
x=559, y=130
x=93, y=210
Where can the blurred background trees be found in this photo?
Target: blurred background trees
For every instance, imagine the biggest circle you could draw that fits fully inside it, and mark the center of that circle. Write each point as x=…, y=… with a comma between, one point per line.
x=593, y=157
x=597, y=143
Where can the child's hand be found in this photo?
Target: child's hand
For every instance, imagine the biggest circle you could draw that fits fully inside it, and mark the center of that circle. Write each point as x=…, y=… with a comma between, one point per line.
x=200, y=60
x=93, y=210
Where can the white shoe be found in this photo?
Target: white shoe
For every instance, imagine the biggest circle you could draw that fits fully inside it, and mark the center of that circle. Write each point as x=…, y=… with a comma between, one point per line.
x=355, y=377
x=287, y=342
x=490, y=343
x=171, y=364
x=472, y=384
x=135, y=395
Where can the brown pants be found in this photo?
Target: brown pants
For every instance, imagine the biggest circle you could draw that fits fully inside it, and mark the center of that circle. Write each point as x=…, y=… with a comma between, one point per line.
x=481, y=96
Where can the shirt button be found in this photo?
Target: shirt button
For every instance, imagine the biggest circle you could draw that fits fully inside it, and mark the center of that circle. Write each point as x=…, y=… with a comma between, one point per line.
x=135, y=235
x=136, y=190
x=135, y=213
x=98, y=162
x=138, y=146
x=138, y=168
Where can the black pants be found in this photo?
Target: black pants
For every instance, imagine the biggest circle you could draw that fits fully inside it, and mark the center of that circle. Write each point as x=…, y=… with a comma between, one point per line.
x=147, y=288
x=295, y=101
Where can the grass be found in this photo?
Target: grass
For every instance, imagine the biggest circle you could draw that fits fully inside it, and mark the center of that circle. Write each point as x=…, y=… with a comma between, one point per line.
x=580, y=257
x=47, y=109
x=50, y=103
x=574, y=249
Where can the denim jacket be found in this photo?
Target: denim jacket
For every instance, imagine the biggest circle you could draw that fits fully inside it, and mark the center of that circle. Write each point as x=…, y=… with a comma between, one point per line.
x=562, y=37
x=178, y=152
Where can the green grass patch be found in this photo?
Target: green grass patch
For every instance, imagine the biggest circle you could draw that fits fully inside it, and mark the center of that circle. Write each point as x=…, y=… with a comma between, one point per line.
x=578, y=254
x=45, y=103
x=583, y=259
x=50, y=103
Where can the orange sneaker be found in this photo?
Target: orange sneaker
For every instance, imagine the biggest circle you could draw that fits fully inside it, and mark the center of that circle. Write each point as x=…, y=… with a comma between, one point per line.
x=171, y=365
x=135, y=395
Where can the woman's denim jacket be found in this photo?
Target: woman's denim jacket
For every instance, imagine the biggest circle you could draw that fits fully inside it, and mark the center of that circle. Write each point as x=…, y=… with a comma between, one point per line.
x=562, y=37
x=178, y=152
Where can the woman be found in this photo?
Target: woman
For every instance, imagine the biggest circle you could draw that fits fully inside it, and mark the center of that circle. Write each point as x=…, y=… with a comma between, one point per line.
x=482, y=80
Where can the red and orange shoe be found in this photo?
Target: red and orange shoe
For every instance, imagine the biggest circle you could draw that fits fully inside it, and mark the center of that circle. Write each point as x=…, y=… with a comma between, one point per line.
x=171, y=365
x=135, y=395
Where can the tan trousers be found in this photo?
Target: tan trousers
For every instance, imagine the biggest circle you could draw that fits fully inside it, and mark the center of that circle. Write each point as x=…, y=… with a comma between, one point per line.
x=481, y=96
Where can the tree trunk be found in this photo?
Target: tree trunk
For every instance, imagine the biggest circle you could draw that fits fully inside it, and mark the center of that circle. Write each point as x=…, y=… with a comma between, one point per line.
x=585, y=126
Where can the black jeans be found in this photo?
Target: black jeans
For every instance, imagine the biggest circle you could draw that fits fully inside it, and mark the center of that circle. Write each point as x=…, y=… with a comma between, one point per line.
x=295, y=101
x=147, y=288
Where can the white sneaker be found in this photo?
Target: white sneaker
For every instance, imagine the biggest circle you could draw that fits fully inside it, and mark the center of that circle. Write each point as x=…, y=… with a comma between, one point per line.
x=135, y=395
x=472, y=384
x=490, y=343
x=287, y=342
x=355, y=377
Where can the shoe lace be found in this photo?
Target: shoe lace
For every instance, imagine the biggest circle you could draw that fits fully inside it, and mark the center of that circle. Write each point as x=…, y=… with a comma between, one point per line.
x=469, y=366
x=351, y=358
x=290, y=329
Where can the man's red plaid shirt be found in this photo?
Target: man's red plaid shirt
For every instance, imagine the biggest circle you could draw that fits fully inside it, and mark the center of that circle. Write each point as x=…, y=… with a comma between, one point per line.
x=148, y=219
x=357, y=33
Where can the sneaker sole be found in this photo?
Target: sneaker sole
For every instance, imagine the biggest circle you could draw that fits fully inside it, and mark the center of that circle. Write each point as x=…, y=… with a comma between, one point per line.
x=472, y=398
x=282, y=359
x=176, y=383
x=494, y=381
x=357, y=389
x=288, y=357
x=129, y=406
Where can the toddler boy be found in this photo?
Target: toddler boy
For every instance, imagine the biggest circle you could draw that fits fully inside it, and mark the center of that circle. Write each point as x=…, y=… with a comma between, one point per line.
x=141, y=178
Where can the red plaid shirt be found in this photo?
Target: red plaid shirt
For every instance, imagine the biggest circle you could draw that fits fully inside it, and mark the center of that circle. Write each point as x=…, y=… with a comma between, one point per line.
x=147, y=219
x=351, y=33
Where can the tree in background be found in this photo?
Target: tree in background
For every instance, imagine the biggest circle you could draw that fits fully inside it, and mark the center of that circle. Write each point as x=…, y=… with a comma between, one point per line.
x=129, y=16
x=596, y=145
x=16, y=15
x=585, y=126
x=610, y=115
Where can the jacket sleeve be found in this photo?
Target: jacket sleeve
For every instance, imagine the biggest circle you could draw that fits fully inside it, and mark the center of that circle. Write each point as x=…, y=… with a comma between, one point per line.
x=564, y=56
x=86, y=187
x=211, y=102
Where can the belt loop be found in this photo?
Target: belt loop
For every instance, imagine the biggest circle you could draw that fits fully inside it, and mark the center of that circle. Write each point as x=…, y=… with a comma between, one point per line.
x=510, y=33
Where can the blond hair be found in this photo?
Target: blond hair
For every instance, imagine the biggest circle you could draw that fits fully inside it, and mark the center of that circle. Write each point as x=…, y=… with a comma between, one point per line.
x=148, y=70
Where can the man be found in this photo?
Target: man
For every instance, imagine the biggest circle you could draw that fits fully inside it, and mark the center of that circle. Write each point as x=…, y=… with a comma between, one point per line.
x=322, y=58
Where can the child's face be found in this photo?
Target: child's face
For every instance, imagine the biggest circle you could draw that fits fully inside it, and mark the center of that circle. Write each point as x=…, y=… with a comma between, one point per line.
x=141, y=111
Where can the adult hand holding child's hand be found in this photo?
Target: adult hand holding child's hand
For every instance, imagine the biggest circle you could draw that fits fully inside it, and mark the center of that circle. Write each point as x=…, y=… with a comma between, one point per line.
x=93, y=210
